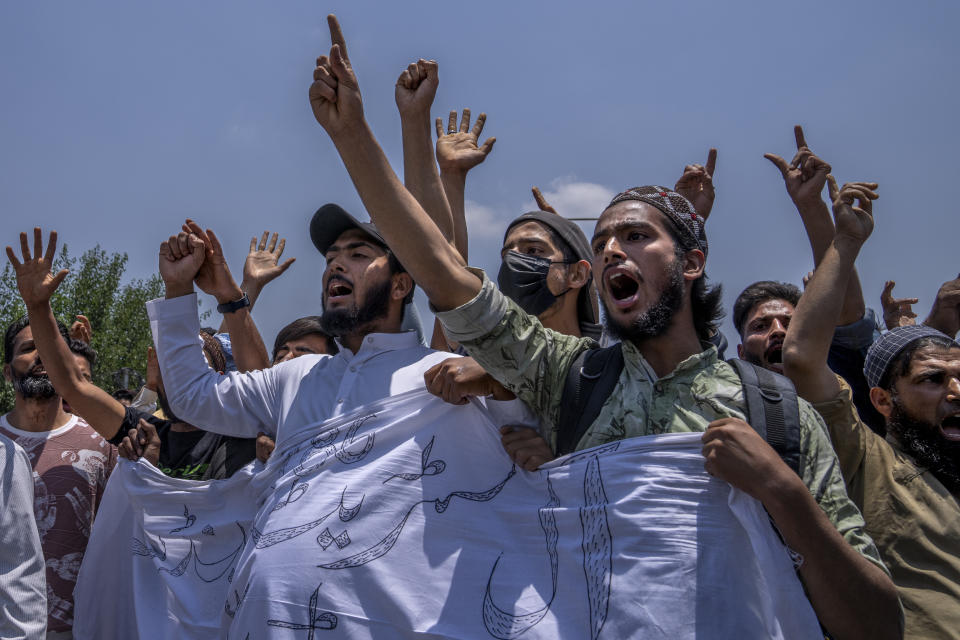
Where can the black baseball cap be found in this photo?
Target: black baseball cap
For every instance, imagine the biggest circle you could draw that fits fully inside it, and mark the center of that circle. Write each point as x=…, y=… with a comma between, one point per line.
x=331, y=220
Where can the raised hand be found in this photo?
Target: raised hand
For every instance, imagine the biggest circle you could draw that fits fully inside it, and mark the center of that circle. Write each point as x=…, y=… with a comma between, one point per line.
x=34, y=280
x=335, y=95
x=263, y=261
x=542, y=203
x=897, y=312
x=416, y=88
x=855, y=223
x=181, y=257
x=81, y=329
x=153, y=370
x=805, y=175
x=457, y=150
x=945, y=313
x=213, y=276
x=696, y=185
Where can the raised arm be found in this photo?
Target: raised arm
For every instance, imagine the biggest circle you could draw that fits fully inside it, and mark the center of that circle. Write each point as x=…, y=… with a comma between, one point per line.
x=808, y=339
x=458, y=152
x=414, y=93
x=420, y=246
x=36, y=284
x=214, y=278
x=696, y=185
x=262, y=266
x=235, y=404
x=804, y=179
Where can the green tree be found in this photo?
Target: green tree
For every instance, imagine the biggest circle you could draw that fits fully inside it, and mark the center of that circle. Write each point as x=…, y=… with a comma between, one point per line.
x=117, y=313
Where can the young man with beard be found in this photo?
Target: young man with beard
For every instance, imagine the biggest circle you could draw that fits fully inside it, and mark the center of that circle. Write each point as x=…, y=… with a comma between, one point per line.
x=184, y=450
x=907, y=484
x=365, y=290
x=71, y=464
x=761, y=314
x=649, y=253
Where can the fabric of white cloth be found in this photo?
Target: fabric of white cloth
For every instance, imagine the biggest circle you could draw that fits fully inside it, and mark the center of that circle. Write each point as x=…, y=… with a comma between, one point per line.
x=23, y=585
x=407, y=519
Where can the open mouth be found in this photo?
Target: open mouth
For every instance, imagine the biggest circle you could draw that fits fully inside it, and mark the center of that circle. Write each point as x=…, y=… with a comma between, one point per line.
x=622, y=286
x=338, y=288
x=775, y=354
x=950, y=427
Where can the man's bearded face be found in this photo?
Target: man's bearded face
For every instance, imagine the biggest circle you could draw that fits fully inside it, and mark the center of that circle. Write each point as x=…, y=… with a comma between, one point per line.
x=924, y=441
x=33, y=384
x=655, y=320
x=347, y=320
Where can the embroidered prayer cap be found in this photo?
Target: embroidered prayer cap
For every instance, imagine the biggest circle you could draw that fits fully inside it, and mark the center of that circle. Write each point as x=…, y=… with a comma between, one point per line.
x=888, y=347
x=331, y=220
x=673, y=205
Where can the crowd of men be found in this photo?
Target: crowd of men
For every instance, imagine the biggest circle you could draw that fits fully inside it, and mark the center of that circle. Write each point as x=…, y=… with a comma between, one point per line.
x=605, y=338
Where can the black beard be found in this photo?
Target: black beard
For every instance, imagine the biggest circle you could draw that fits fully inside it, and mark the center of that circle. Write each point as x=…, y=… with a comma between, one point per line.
x=924, y=443
x=33, y=387
x=349, y=321
x=656, y=320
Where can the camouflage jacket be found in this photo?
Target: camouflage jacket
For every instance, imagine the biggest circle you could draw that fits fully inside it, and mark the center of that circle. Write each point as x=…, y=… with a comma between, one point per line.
x=533, y=362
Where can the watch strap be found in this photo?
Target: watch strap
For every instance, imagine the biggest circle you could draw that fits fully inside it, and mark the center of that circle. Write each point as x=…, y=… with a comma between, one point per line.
x=230, y=307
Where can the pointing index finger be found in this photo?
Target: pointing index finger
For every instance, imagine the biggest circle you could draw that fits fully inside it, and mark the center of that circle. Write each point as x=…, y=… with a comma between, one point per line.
x=798, y=134
x=336, y=35
x=711, y=161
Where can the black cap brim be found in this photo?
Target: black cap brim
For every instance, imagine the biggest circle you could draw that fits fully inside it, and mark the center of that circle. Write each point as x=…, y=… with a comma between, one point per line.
x=331, y=220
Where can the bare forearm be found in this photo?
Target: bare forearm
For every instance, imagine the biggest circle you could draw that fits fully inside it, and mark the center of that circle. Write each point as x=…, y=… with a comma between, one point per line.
x=252, y=289
x=101, y=410
x=454, y=186
x=851, y=596
x=419, y=245
x=249, y=351
x=807, y=343
x=420, y=174
x=818, y=224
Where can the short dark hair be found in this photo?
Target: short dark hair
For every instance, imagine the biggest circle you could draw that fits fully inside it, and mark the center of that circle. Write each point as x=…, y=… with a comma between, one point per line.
x=299, y=328
x=706, y=303
x=16, y=327
x=81, y=348
x=760, y=292
x=900, y=365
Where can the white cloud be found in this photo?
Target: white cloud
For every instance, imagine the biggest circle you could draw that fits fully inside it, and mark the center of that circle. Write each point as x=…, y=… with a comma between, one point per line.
x=574, y=199
x=484, y=223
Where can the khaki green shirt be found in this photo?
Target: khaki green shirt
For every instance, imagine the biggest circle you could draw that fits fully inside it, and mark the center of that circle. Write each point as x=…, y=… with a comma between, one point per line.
x=533, y=361
x=913, y=518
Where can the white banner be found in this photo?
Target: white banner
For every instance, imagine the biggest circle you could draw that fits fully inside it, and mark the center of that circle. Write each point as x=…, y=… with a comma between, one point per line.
x=407, y=519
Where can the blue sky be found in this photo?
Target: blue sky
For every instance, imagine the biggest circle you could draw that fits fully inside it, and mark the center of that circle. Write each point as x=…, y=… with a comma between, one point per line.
x=120, y=119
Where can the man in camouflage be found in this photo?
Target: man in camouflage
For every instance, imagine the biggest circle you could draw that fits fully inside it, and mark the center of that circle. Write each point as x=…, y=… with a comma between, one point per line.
x=649, y=254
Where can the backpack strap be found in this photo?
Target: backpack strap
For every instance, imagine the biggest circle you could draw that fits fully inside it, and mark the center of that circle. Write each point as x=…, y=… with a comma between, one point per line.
x=590, y=381
x=772, y=409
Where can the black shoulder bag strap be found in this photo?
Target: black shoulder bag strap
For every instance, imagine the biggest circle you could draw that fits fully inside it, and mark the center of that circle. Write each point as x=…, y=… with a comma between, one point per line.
x=590, y=381
x=772, y=409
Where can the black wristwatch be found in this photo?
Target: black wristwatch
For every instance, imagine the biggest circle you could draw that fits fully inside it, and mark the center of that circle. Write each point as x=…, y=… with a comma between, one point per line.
x=230, y=307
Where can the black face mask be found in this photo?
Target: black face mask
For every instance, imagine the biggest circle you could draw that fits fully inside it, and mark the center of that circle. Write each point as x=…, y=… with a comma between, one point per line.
x=523, y=279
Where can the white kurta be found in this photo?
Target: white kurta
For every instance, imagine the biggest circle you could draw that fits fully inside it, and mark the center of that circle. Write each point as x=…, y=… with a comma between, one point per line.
x=294, y=397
